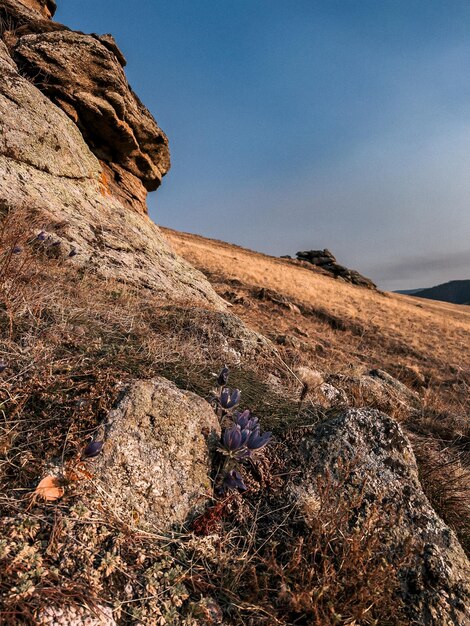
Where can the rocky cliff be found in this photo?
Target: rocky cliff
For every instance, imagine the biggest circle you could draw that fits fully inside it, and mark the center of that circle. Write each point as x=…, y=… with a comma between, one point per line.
x=163, y=462
x=79, y=151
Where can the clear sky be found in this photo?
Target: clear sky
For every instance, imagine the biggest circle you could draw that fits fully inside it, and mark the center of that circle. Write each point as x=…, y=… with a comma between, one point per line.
x=301, y=124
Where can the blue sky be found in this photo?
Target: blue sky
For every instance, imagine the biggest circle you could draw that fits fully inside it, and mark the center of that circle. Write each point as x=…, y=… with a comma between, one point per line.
x=302, y=124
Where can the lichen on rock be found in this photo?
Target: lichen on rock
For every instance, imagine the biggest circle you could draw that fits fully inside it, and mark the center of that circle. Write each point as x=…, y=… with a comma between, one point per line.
x=368, y=453
x=83, y=75
x=48, y=170
x=156, y=461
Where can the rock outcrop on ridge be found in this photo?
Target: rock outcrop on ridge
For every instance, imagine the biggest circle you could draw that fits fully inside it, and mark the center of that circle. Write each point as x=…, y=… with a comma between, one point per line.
x=92, y=208
x=326, y=261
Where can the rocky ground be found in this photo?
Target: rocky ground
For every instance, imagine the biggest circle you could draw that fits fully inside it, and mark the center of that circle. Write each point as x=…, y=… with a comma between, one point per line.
x=129, y=495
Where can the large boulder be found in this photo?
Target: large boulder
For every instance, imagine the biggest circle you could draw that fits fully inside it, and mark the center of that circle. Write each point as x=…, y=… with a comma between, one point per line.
x=367, y=453
x=83, y=75
x=49, y=173
x=156, y=462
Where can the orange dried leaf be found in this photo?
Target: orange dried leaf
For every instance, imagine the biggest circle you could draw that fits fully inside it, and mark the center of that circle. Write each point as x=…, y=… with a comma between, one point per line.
x=49, y=489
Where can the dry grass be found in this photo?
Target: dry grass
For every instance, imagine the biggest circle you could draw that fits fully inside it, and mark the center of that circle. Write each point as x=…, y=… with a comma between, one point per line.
x=434, y=330
x=271, y=568
x=342, y=330
x=70, y=341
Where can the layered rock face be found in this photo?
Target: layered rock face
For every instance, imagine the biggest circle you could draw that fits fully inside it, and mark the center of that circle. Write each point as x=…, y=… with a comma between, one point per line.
x=45, y=7
x=83, y=75
x=77, y=108
x=17, y=13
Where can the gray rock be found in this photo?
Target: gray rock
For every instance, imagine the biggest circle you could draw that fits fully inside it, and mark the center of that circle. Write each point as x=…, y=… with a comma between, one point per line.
x=381, y=465
x=48, y=171
x=155, y=465
x=403, y=393
x=85, y=78
x=377, y=389
x=220, y=333
x=333, y=395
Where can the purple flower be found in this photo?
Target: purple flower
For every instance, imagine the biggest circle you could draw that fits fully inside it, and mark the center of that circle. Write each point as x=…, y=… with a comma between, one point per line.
x=232, y=481
x=17, y=250
x=229, y=398
x=242, y=443
x=42, y=236
x=92, y=449
x=232, y=438
x=256, y=441
x=245, y=420
x=73, y=252
x=223, y=376
x=3, y=366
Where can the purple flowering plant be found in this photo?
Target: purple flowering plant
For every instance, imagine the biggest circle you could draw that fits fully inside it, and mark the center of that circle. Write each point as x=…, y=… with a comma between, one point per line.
x=241, y=439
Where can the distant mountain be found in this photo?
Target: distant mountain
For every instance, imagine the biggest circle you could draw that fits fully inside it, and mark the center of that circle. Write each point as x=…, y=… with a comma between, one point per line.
x=455, y=291
x=408, y=292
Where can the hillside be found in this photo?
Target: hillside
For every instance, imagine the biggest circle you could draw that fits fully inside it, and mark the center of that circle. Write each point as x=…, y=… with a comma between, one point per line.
x=192, y=433
x=358, y=326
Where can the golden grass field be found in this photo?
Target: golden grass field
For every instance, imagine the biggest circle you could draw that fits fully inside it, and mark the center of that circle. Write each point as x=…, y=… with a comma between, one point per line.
x=386, y=326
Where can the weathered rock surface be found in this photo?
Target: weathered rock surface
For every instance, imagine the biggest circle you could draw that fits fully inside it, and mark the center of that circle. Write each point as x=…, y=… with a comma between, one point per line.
x=377, y=389
x=83, y=75
x=45, y=7
x=155, y=466
x=327, y=262
x=220, y=333
x=48, y=171
x=17, y=13
x=368, y=452
x=85, y=78
x=319, y=391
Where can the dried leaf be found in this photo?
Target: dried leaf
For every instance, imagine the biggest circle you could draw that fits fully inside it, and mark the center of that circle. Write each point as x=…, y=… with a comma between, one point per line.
x=49, y=489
